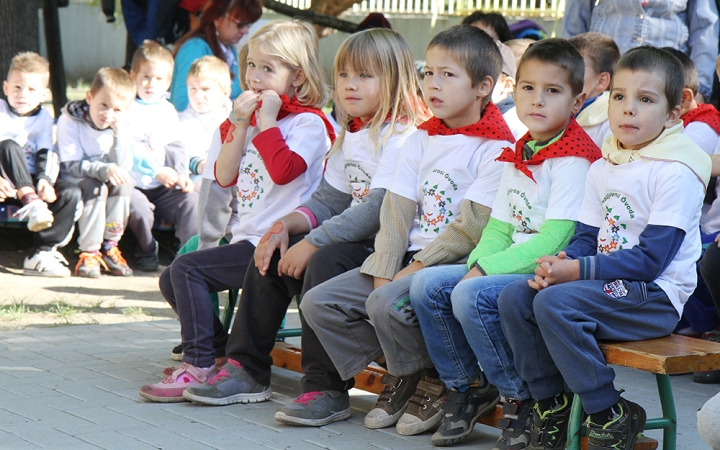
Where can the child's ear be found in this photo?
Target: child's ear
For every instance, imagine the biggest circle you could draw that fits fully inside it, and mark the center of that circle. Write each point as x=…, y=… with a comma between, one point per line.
x=604, y=81
x=6, y=88
x=687, y=99
x=673, y=116
x=88, y=96
x=133, y=74
x=485, y=87
x=299, y=78
x=578, y=103
x=509, y=85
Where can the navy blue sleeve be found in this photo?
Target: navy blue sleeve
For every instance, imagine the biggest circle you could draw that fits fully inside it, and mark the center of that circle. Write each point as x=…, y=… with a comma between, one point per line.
x=644, y=262
x=583, y=242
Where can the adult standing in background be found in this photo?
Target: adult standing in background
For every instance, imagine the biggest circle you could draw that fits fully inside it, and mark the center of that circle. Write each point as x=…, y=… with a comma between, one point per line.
x=690, y=26
x=222, y=24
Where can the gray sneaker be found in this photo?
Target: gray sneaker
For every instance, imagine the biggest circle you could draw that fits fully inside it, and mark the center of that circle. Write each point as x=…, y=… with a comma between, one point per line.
x=316, y=409
x=461, y=411
x=391, y=402
x=232, y=384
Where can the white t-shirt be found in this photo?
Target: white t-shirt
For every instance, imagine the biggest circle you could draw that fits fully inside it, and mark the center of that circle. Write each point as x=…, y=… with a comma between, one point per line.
x=556, y=194
x=358, y=167
x=32, y=133
x=196, y=130
x=438, y=172
x=517, y=128
x=78, y=141
x=153, y=125
x=622, y=200
x=710, y=220
x=598, y=132
x=703, y=135
x=260, y=201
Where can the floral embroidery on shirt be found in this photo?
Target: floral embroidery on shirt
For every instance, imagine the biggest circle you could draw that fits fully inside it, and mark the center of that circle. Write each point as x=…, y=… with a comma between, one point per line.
x=249, y=188
x=359, y=189
x=613, y=225
x=434, y=211
x=522, y=221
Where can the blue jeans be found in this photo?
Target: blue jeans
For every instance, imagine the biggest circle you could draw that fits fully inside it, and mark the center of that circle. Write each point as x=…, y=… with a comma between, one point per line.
x=461, y=326
x=553, y=333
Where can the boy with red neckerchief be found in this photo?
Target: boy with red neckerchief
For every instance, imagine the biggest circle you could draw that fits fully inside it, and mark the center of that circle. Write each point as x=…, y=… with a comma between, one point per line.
x=438, y=201
x=533, y=215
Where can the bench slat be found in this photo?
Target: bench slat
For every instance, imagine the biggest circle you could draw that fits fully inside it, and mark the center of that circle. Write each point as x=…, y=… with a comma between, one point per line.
x=668, y=355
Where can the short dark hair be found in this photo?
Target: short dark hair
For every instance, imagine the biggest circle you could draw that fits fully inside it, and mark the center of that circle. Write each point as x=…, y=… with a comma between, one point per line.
x=654, y=60
x=473, y=48
x=601, y=50
x=689, y=69
x=561, y=53
x=496, y=21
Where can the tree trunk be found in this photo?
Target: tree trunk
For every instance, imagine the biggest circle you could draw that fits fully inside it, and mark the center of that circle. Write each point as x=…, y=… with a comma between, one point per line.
x=19, y=30
x=322, y=13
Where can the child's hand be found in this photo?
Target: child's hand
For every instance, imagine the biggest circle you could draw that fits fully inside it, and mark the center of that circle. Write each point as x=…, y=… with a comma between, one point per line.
x=380, y=282
x=267, y=116
x=186, y=184
x=410, y=269
x=118, y=122
x=295, y=260
x=6, y=190
x=167, y=177
x=277, y=237
x=201, y=167
x=717, y=239
x=555, y=270
x=472, y=273
x=117, y=175
x=45, y=191
x=245, y=105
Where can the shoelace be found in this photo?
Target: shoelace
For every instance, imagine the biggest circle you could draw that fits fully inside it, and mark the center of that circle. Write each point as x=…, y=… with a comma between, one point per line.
x=25, y=211
x=90, y=260
x=116, y=256
x=308, y=397
x=223, y=373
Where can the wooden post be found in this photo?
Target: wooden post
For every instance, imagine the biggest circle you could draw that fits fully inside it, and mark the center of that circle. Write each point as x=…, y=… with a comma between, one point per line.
x=58, y=85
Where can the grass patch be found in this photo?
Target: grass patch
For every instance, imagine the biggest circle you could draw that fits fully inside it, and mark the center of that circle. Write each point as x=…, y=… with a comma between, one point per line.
x=14, y=311
x=135, y=311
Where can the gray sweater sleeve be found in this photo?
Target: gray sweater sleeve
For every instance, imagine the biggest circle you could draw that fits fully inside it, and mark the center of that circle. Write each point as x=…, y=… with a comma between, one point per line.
x=354, y=224
x=214, y=213
x=120, y=154
x=176, y=157
x=327, y=202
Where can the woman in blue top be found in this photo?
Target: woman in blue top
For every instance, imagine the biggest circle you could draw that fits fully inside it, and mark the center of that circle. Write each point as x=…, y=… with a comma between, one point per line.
x=222, y=24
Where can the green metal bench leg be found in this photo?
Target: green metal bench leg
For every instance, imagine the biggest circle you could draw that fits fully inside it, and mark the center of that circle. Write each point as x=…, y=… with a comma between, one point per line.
x=668, y=422
x=575, y=424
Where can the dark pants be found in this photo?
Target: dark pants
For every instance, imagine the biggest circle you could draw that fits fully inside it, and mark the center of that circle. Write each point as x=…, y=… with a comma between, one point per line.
x=64, y=209
x=187, y=284
x=264, y=302
x=710, y=268
x=170, y=204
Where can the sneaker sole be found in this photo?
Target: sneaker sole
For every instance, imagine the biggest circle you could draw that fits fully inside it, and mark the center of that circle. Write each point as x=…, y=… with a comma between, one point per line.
x=255, y=397
x=35, y=273
x=414, y=425
x=40, y=226
x=157, y=399
x=375, y=423
x=291, y=420
x=176, y=357
x=445, y=441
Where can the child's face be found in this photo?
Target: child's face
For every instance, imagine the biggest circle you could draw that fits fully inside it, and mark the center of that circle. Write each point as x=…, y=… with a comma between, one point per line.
x=503, y=88
x=358, y=92
x=544, y=99
x=269, y=72
x=449, y=92
x=206, y=95
x=106, y=107
x=25, y=91
x=152, y=80
x=638, y=110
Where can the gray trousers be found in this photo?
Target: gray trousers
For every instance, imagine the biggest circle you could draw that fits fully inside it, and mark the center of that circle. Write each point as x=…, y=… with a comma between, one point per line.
x=357, y=324
x=104, y=214
x=170, y=204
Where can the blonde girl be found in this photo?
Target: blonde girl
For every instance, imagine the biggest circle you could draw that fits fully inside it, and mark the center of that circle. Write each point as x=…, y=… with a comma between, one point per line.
x=376, y=92
x=272, y=148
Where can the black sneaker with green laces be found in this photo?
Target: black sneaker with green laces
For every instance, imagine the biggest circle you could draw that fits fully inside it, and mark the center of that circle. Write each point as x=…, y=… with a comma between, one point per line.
x=549, y=426
x=620, y=431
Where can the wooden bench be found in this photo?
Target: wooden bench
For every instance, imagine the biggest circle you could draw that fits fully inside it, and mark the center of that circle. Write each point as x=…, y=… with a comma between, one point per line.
x=663, y=357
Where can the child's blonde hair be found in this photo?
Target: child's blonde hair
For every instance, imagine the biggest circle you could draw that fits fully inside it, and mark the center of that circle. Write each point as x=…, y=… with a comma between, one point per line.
x=242, y=66
x=151, y=51
x=386, y=55
x=116, y=80
x=295, y=43
x=211, y=68
x=30, y=62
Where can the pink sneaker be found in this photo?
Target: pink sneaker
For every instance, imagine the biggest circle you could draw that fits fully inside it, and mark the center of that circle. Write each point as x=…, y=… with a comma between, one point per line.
x=170, y=390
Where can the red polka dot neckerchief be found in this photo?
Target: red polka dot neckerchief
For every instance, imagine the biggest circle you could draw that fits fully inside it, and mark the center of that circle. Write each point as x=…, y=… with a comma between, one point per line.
x=357, y=124
x=574, y=142
x=491, y=126
x=705, y=113
x=288, y=106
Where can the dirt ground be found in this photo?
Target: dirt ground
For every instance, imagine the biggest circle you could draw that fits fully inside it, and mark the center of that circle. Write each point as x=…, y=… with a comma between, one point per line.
x=36, y=302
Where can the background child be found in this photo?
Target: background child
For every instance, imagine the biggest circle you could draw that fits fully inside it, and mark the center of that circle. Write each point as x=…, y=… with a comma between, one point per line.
x=208, y=84
x=274, y=154
x=440, y=197
x=28, y=161
x=93, y=142
x=629, y=268
x=160, y=169
x=533, y=214
x=377, y=99
x=600, y=54
x=492, y=23
x=502, y=94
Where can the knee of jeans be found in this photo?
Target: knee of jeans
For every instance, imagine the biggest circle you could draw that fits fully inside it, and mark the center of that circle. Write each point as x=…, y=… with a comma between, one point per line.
x=181, y=267
x=166, y=287
x=377, y=306
x=516, y=299
x=547, y=304
x=310, y=306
